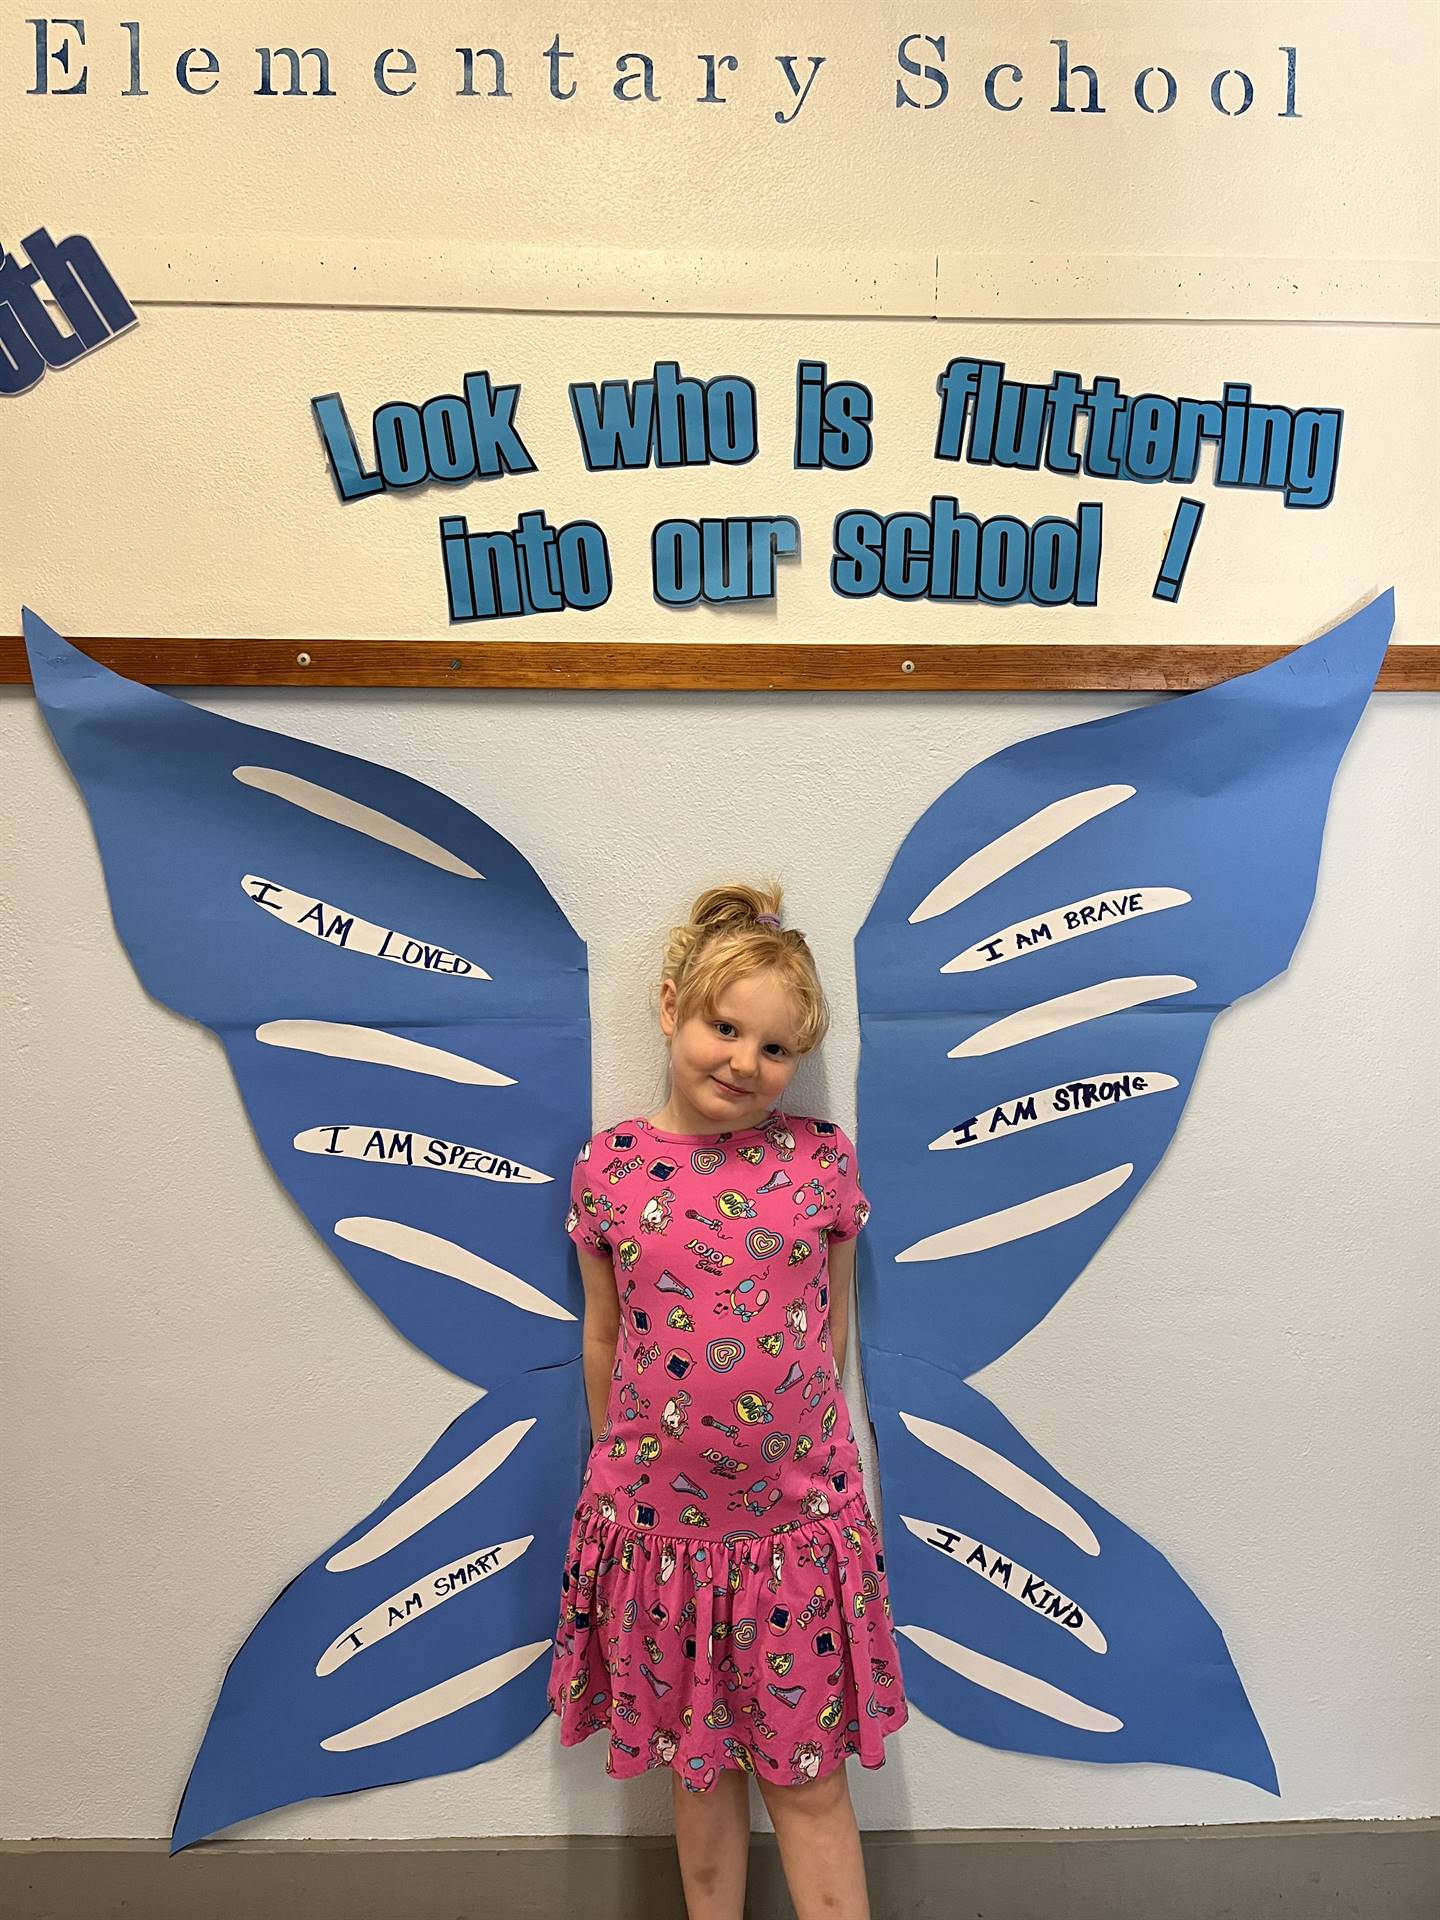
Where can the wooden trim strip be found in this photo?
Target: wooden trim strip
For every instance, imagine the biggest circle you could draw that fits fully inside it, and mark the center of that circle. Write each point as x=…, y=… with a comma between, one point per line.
x=723, y=667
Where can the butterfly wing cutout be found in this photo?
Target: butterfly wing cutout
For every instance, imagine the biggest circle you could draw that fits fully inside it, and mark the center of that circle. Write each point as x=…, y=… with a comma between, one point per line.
x=405, y=1010
x=1037, y=979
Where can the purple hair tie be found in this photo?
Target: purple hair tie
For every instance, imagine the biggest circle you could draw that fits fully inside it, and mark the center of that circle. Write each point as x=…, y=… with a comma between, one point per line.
x=767, y=920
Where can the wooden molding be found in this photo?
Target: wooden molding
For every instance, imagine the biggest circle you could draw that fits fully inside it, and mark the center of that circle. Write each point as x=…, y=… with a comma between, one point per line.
x=722, y=667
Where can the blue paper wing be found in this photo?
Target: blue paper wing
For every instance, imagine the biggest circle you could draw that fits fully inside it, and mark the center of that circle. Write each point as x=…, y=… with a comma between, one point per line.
x=420, y=1642
x=403, y=1003
x=405, y=1010
x=1037, y=979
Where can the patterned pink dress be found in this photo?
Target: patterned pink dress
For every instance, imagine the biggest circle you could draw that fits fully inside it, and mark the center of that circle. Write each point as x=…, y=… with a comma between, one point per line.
x=724, y=1594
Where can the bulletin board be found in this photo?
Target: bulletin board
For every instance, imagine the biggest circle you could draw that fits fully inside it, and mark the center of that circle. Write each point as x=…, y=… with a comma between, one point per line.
x=775, y=438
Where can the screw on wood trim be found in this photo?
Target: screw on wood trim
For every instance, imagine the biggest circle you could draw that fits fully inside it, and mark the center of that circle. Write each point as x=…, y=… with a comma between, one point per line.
x=907, y=666
x=302, y=659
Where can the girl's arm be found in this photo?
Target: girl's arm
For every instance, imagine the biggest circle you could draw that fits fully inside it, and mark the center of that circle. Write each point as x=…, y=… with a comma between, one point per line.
x=840, y=1261
x=601, y=1332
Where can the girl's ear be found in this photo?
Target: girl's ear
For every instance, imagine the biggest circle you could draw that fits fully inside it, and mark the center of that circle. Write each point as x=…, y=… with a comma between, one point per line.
x=667, y=1007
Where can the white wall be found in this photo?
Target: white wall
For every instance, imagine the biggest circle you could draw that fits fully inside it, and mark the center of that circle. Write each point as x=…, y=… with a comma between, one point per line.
x=197, y=1400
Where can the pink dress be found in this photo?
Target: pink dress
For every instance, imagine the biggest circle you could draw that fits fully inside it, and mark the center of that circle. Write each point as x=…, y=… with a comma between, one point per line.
x=724, y=1594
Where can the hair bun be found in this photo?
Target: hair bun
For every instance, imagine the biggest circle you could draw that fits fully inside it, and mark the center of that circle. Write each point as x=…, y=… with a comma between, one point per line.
x=718, y=944
x=736, y=907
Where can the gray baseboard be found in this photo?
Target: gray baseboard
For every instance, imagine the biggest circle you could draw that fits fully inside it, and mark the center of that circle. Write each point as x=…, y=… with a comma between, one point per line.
x=1291, y=1870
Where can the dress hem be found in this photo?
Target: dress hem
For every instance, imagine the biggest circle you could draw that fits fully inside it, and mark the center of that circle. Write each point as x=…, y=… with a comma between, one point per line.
x=570, y=1738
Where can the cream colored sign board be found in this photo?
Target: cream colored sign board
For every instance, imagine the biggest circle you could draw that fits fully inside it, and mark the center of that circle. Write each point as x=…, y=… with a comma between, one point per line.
x=1253, y=201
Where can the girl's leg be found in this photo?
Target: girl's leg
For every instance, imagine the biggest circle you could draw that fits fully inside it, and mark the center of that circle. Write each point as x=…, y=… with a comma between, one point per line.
x=712, y=1837
x=819, y=1847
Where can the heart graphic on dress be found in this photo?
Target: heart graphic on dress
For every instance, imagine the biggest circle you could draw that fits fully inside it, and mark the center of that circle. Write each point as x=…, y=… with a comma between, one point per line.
x=707, y=1159
x=760, y=1242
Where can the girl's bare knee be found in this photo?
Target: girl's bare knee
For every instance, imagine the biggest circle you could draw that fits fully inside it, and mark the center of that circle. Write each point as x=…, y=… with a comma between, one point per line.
x=818, y=1796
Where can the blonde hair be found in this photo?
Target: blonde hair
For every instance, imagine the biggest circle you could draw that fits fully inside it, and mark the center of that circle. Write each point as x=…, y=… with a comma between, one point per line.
x=722, y=942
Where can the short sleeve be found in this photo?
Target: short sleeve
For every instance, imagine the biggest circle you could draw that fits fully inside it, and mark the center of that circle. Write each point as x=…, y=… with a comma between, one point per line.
x=589, y=1215
x=852, y=1209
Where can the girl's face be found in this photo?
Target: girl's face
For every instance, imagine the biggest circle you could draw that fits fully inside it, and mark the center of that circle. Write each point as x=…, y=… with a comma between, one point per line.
x=730, y=1067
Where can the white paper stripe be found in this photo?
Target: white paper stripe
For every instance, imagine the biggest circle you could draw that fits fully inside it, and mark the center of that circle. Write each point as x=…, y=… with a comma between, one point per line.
x=1036, y=1215
x=346, y=812
x=1014, y=847
x=1012, y=1579
x=1070, y=1010
x=375, y=1047
x=1015, y=1115
x=1012, y=1482
x=400, y=1147
x=438, y=1255
x=421, y=1709
x=427, y=1503
x=336, y=927
x=1013, y=1683
x=418, y=1598
x=1058, y=924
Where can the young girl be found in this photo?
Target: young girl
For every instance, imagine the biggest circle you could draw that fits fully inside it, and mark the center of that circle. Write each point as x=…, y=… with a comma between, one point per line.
x=725, y=1608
